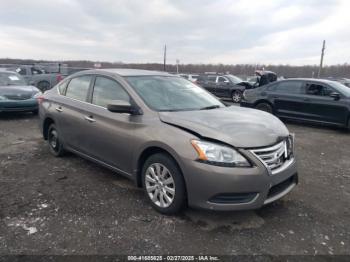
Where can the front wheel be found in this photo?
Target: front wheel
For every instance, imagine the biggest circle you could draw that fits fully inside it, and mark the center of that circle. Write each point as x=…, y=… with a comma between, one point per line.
x=236, y=96
x=163, y=184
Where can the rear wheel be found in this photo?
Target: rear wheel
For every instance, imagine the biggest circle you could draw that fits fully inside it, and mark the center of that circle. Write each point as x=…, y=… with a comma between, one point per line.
x=236, y=96
x=163, y=184
x=54, y=141
x=264, y=107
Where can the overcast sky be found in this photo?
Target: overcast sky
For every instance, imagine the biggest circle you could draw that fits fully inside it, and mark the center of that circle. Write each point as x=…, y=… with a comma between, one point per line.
x=195, y=31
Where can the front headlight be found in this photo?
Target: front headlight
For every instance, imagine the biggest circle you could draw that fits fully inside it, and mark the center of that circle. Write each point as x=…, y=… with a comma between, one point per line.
x=216, y=154
x=3, y=98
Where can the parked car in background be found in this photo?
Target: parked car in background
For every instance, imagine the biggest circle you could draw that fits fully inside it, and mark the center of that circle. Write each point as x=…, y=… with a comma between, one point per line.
x=223, y=86
x=16, y=95
x=342, y=80
x=192, y=77
x=313, y=100
x=37, y=76
x=173, y=138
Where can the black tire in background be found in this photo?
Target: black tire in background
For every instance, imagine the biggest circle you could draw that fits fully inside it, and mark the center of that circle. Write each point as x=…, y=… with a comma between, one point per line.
x=54, y=142
x=264, y=107
x=179, y=199
x=43, y=86
x=236, y=96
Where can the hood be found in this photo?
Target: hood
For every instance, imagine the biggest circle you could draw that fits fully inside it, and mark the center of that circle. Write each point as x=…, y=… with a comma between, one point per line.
x=237, y=126
x=18, y=90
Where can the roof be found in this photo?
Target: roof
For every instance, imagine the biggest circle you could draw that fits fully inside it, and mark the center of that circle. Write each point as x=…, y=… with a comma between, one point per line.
x=326, y=81
x=128, y=72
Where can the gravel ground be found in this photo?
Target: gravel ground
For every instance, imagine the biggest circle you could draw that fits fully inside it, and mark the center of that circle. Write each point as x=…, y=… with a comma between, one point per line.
x=71, y=206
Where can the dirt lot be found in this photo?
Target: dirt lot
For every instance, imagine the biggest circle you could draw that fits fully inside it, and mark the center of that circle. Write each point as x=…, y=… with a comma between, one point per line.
x=71, y=206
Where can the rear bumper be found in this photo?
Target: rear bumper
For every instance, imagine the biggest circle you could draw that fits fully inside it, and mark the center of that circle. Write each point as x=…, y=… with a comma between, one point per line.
x=222, y=188
x=19, y=105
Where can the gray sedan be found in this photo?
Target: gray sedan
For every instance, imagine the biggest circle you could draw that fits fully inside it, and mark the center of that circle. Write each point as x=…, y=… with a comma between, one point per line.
x=173, y=138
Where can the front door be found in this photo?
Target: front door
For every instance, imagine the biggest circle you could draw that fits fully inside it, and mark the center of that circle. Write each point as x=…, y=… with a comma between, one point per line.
x=321, y=106
x=110, y=135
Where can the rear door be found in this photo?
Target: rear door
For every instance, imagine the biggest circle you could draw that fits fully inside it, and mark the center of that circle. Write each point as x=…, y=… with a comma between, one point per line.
x=288, y=98
x=72, y=110
x=321, y=107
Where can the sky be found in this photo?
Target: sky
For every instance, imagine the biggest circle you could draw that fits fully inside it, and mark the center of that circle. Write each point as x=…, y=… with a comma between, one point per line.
x=195, y=31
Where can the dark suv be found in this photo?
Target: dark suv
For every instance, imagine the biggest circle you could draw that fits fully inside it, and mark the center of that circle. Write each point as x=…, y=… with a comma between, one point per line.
x=224, y=86
x=313, y=100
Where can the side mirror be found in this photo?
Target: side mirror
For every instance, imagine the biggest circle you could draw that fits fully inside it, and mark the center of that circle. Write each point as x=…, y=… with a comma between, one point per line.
x=335, y=95
x=119, y=106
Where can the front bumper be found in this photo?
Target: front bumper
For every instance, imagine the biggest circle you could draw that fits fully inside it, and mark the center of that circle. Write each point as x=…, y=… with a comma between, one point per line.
x=224, y=188
x=18, y=105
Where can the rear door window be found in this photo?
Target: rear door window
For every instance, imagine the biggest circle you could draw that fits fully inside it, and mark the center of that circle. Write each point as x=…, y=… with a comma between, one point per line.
x=289, y=87
x=78, y=88
x=107, y=90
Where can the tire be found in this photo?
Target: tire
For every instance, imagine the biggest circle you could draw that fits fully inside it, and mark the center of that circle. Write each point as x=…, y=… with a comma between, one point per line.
x=166, y=179
x=264, y=107
x=348, y=127
x=43, y=86
x=35, y=112
x=236, y=96
x=53, y=139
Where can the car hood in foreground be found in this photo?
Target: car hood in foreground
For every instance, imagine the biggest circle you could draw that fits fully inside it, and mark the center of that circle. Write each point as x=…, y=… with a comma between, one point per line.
x=18, y=90
x=239, y=127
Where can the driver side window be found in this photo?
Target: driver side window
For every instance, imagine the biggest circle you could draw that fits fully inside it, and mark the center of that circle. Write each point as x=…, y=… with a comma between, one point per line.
x=107, y=90
x=222, y=79
x=318, y=90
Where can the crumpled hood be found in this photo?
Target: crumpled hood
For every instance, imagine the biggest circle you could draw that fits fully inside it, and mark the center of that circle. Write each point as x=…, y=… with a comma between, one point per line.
x=237, y=126
x=18, y=90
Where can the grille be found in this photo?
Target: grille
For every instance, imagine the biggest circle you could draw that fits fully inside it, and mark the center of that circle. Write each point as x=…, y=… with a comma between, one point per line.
x=18, y=97
x=276, y=156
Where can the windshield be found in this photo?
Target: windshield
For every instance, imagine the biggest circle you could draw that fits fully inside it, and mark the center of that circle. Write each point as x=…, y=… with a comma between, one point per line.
x=341, y=88
x=234, y=79
x=168, y=93
x=11, y=79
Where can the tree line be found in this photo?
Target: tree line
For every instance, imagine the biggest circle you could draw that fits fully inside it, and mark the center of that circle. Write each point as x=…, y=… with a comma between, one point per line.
x=341, y=70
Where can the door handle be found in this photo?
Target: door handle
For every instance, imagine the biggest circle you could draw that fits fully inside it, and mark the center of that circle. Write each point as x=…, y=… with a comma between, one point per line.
x=59, y=109
x=90, y=119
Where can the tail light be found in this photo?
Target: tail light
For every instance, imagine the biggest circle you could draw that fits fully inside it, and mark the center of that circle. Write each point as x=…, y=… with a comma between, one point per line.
x=59, y=78
x=40, y=99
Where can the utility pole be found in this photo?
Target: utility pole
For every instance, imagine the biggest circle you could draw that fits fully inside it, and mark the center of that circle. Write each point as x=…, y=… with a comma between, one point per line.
x=321, y=62
x=164, y=58
x=177, y=66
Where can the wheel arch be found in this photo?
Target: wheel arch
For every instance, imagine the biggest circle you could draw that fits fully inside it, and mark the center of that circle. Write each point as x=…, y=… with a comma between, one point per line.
x=149, y=151
x=47, y=122
x=260, y=101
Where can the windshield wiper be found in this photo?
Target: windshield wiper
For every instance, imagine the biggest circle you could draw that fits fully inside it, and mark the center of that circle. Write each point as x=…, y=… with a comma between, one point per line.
x=210, y=107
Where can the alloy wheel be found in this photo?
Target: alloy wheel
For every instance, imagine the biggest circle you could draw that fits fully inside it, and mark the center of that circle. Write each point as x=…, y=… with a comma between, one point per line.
x=236, y=96
x=160, y=185
x=53, y=139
